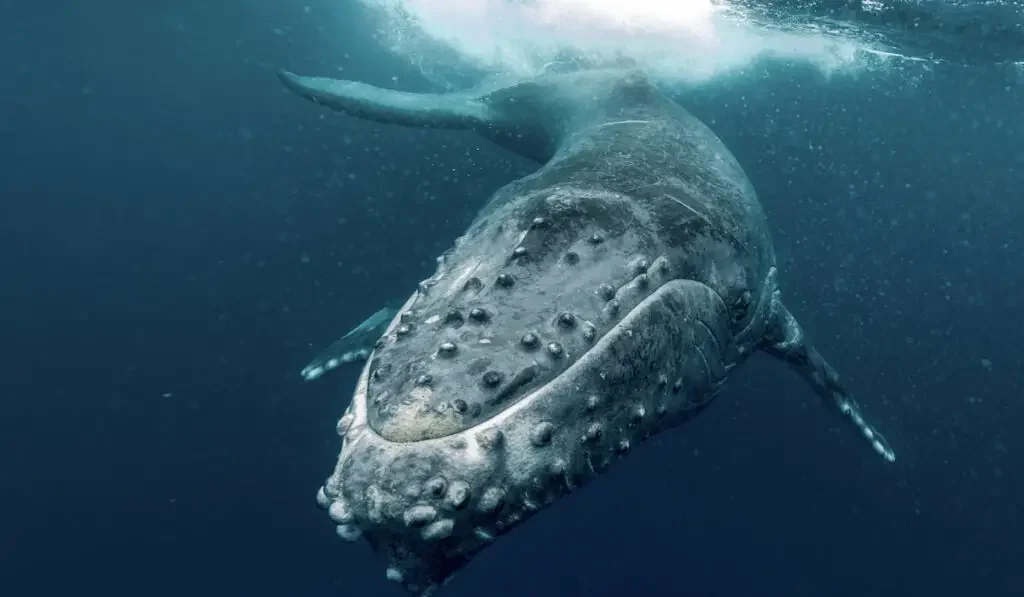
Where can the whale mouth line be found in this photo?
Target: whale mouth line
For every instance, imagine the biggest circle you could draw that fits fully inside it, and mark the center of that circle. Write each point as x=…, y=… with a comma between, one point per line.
x=600, y=343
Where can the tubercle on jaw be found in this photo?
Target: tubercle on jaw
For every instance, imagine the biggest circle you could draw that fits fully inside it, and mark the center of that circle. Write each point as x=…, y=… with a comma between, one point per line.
x=439, y=500
x=450, y=508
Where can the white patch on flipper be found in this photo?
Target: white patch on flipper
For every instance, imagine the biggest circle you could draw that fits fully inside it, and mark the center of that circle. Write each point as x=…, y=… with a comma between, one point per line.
x=885, y=452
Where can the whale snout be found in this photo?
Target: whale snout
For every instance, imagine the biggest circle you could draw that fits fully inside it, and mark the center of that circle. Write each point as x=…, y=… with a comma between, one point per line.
x=422, y=506
x=431, y=487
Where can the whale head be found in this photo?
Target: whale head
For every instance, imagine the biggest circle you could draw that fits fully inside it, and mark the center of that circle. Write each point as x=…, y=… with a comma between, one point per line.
x=551, y=340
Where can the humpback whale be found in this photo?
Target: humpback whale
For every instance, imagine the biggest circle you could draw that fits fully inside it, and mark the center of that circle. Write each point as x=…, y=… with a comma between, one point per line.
x=598, y=301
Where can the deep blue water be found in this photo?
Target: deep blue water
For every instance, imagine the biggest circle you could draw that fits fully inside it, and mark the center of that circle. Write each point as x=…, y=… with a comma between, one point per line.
x=179, y=235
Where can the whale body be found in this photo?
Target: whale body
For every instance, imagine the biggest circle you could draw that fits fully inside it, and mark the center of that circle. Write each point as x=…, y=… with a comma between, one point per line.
x=590, y=305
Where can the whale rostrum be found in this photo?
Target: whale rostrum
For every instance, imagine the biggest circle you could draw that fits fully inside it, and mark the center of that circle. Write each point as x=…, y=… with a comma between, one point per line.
x=591, y=304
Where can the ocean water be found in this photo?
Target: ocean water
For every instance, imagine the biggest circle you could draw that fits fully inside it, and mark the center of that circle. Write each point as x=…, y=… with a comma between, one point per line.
x=179, y=236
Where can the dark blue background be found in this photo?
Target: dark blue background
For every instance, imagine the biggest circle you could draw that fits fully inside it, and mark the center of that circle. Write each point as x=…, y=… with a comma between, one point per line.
x=178, y=236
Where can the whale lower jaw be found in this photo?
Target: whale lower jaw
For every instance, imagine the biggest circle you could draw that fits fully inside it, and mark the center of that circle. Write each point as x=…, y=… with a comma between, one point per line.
x=428, y=507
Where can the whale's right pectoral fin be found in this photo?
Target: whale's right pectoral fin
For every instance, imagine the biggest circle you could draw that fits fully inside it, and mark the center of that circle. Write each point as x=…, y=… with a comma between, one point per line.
x=353, y=347
x=786, y=341
x=388, y=106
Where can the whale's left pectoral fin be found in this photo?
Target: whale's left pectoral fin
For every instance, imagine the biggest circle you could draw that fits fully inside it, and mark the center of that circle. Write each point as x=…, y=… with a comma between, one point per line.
x=353, y=347
x=786, y=341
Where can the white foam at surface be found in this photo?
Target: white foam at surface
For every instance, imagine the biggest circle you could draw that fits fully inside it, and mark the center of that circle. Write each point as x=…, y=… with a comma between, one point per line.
x=681, y=40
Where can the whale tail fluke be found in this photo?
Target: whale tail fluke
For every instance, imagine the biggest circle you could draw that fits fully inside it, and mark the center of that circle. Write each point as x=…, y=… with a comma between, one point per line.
x=528, y=118
x=786, y=341
x=388, y=106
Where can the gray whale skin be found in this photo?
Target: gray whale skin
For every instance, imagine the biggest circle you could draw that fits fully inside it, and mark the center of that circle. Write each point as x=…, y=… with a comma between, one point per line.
x=591, y=304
